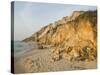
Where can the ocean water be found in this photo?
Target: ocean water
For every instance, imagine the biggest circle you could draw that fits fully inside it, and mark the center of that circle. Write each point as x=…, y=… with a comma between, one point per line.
x=21, y=47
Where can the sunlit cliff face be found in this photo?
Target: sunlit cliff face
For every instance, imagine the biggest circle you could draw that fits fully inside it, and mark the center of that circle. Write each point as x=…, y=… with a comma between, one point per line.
x=75, y=34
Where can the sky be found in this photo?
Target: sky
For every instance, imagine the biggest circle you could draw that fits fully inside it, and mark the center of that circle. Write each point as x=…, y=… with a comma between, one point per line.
x=29, y=17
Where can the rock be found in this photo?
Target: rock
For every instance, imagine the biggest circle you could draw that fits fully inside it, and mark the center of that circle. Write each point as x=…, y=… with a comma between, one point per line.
x=73, y=37
x=30, y=64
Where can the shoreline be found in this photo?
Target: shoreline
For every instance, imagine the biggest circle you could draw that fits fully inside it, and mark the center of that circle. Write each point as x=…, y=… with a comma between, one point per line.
x=38, y=60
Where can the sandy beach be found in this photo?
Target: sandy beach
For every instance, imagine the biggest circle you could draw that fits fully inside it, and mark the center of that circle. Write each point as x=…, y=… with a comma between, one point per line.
x=38, y=60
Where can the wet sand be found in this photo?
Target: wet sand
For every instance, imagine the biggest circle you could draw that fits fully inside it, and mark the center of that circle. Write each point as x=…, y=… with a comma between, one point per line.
x=39, y=60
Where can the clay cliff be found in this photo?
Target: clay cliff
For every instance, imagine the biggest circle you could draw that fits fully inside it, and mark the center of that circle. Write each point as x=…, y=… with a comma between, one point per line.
x=73, y=37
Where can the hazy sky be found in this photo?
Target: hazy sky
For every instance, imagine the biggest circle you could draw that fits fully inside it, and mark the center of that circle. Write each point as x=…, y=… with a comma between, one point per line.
x=30, y=17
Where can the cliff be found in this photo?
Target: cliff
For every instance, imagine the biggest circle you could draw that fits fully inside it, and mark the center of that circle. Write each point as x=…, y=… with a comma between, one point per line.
x=72, y=37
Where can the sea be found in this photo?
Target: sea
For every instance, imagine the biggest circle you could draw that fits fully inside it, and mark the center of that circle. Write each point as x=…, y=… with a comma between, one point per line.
x=21, y=47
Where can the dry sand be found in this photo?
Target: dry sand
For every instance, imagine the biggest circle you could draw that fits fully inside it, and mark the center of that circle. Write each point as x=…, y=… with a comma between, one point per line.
x=38, y=60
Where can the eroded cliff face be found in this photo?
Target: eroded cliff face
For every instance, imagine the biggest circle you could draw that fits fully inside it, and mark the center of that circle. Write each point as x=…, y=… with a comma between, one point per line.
x=73, y=37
